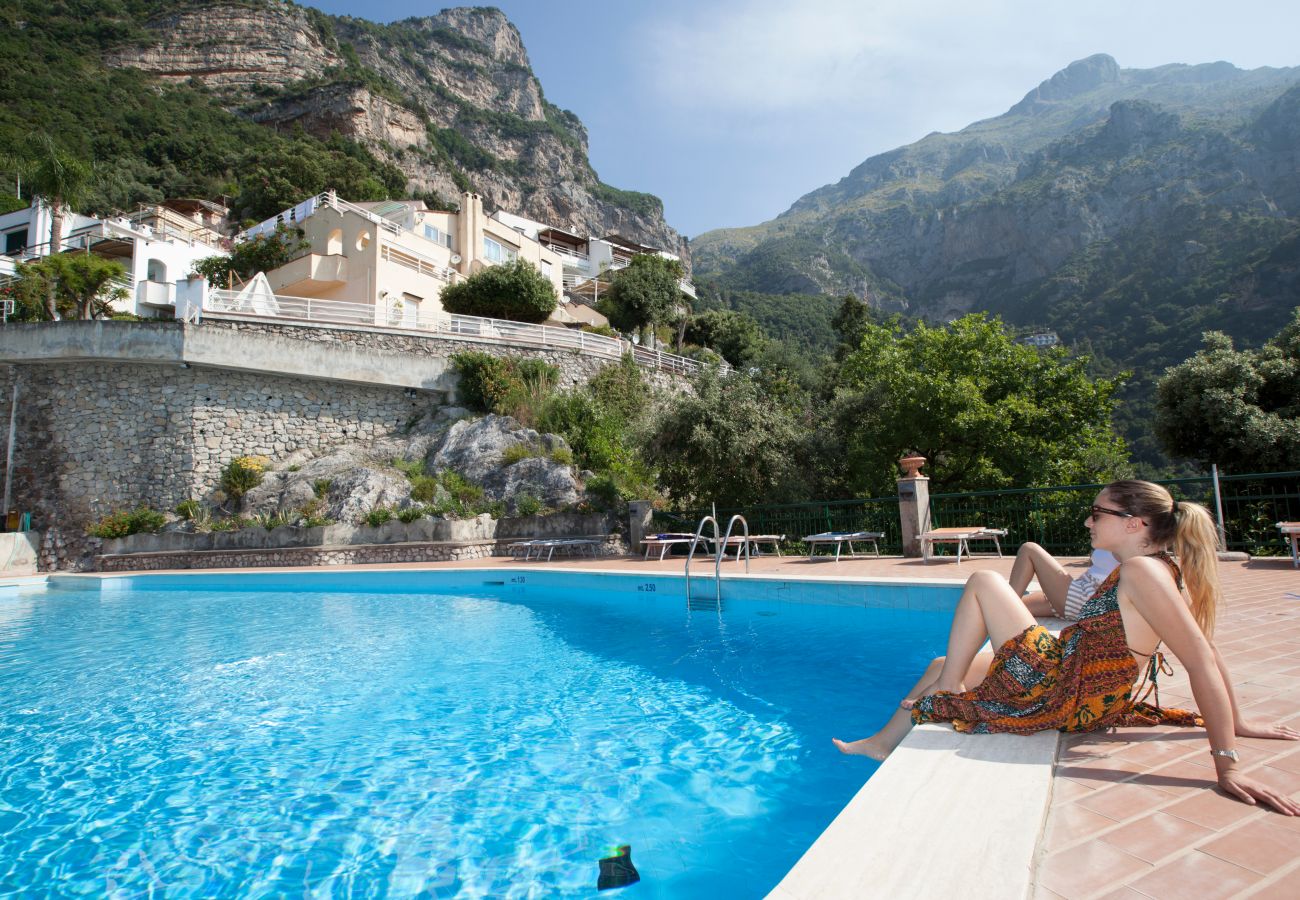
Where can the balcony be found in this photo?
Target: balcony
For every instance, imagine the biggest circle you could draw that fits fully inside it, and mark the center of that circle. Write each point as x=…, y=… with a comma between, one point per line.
x=311, y=273
x=156, y=293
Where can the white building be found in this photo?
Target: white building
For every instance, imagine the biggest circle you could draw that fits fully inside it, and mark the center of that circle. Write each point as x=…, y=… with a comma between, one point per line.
x=158, y=246
x=387, y=262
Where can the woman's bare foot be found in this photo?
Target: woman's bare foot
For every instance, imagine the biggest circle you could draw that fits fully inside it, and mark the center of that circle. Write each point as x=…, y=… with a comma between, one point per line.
x=931, y=688
x=864, y=747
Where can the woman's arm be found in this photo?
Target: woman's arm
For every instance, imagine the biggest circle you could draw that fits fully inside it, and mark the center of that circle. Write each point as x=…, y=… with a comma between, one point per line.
x=1146, y=584
x=1250, y=727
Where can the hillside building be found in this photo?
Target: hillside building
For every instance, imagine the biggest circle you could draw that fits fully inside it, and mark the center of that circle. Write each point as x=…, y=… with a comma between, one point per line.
x=157, y=245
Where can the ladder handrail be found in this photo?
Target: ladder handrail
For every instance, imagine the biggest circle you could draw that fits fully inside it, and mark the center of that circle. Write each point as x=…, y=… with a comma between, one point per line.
x=722, y=551
x=699, y=533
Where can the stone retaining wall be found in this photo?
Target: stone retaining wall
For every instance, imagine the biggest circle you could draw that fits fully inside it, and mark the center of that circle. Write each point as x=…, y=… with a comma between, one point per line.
x=96, y=434
x=430, y=551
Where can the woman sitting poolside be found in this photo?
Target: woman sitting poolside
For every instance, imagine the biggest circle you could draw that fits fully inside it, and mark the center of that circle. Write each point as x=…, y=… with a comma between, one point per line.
x=1085, y=680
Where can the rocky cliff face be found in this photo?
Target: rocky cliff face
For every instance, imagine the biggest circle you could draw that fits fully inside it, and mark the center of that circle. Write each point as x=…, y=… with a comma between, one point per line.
x=450, y=99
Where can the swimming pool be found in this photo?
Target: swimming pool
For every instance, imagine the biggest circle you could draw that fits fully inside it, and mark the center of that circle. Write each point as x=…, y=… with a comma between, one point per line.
x=460, y=733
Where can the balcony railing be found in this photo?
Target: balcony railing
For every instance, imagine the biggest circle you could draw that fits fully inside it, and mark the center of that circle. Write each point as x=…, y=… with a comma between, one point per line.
x=416, y=262
x=222, y=304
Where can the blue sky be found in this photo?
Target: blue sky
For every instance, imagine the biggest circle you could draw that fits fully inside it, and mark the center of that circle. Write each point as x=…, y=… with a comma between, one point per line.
x=730, y=110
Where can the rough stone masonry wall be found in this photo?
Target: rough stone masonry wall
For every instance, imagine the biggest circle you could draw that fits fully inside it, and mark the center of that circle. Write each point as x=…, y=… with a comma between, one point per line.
x=96, y=437
x=575, y=368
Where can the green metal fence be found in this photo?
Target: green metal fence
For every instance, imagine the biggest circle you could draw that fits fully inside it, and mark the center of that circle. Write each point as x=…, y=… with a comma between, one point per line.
x=798, y=520
x=1051, y=516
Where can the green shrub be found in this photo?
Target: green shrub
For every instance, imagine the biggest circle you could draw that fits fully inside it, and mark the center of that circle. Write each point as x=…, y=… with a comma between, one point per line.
x=135, y=521
x=242, y=474
x=411, y=468
x=515, y=452
x=272, y=521
x=409, y=514
x=293, y=468
x=424, y=488
x=605, y=489
x=507, y=387
x=527, y=505
x=562, y=456
x=189, y=510
x=233, y=523
x=321, y=487
x=378, y=516
x=464, y=491
x=312, y=514
x=514, y=290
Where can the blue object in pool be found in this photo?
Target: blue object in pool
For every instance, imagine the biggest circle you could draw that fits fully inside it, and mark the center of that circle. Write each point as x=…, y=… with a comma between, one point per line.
x=488, y=743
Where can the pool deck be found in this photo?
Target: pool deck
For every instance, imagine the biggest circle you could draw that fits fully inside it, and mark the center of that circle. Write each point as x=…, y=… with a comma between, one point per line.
x=1130, y=813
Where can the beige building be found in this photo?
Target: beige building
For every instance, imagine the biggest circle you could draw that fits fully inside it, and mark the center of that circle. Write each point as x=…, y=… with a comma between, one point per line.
x=397, y=256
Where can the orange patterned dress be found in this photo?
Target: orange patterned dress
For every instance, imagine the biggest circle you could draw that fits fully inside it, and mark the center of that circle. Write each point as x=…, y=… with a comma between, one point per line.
x=1081, y=681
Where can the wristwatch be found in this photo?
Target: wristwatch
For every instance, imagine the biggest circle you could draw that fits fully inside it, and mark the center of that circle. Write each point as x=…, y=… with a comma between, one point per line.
x=1227, y=754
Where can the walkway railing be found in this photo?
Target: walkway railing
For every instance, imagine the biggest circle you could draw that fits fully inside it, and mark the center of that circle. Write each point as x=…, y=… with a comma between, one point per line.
x=1053, y=516
x=798, y=520
x=222, y=304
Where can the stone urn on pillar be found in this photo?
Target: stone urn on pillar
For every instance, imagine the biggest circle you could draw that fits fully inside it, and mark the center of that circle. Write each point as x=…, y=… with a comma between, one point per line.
x=912, y=466
x=913, y=504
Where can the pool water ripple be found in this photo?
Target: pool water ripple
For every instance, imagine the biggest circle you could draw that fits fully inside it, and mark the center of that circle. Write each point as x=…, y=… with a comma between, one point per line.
x=212, y=744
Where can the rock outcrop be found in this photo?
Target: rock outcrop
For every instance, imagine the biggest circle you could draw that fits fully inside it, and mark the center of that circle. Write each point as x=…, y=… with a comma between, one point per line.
x=346, y=484
x=449, y=99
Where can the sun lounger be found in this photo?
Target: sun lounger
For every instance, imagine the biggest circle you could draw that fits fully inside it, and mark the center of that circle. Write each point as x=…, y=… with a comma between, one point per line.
x=961, y=537
x=1291, y=531
x=840, y=538
x=571, y=546
x=665, y=541
x=756, y=541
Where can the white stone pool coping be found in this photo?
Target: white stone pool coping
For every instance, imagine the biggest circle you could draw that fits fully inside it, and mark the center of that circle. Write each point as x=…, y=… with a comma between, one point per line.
x=947, y=815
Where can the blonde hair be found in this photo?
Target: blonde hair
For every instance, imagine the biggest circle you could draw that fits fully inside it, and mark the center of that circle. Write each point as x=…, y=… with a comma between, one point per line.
x=1189, y=530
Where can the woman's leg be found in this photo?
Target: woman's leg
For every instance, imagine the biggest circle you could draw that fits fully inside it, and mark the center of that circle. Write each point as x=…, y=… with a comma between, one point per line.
x=988, y=610
x=1032, y=561
x=883, y=742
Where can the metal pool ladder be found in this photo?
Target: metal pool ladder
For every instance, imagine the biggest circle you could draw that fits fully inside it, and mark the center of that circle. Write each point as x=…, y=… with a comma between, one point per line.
x=721, y=551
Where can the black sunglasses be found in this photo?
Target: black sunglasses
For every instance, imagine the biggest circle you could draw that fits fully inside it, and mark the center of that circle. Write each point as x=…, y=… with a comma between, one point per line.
x=1118, y=513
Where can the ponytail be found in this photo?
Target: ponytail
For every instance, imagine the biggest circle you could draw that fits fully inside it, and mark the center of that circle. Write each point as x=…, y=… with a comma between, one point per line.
x=1189, y=530
x=1196, y=544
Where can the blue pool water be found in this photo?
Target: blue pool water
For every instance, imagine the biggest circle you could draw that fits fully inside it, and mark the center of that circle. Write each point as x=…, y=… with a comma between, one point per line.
x=412, y=736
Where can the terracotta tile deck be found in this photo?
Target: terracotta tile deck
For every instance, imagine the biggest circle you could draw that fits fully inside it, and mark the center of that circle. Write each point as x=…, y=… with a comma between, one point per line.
x=1134, y=812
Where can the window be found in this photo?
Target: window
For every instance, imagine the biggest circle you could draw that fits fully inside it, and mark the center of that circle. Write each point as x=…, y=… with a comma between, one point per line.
x=156, y=271
x=334, y=243
x=437, y=236
x=15, y=241
x=496, y=252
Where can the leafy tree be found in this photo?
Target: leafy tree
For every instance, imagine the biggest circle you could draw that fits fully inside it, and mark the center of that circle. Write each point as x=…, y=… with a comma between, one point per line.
x=261, y=253
x=62, y=179
x=296, y=169
x=514, y=290
x=74, y=285
x=985, y=411
x=728, y=443
x=1239, y=407
x=735, y=335
x=644, y=294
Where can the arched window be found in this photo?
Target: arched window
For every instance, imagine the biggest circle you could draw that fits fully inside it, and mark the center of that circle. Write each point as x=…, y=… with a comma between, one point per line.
x=334, y=243
x=156, y=271
x=363, y=240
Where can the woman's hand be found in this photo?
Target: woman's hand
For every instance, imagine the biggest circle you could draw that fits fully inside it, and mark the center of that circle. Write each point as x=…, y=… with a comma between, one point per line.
x=1247, y=790
x=1254, y=728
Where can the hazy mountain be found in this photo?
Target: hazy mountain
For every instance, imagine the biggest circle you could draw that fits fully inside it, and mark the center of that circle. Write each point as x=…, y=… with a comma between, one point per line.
x=1128, y=210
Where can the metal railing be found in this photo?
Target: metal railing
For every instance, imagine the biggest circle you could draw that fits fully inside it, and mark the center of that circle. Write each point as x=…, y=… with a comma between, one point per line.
x=1253, y=504
x=235, y=304
x=798, y=520
x=295, y=214
x=416, y=262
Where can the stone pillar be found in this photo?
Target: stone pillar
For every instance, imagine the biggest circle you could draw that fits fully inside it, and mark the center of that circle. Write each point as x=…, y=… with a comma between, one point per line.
x=913, y=504
x=639, y=524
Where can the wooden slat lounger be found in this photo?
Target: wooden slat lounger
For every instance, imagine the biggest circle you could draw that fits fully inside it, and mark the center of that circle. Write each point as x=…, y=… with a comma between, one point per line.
x=962, y=537
x=1291, y=531
x=840, y=538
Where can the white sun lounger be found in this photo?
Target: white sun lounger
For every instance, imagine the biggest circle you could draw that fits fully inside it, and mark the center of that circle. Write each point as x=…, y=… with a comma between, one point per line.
x=840, y=538
x=961, y=536
x=1291, y=531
